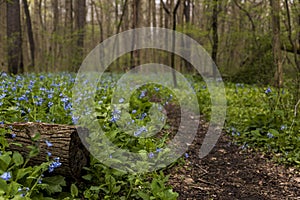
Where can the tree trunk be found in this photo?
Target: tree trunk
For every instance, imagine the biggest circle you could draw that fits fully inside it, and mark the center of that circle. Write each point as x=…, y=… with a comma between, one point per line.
x=14, y=37
x=275, y=7
x=65, y=140
x=135, y=55
x=30, y=35
x=214, y=53
x=80, y=15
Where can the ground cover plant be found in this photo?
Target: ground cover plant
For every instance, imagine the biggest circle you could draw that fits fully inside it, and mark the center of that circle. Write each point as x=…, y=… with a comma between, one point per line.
x=258, y=117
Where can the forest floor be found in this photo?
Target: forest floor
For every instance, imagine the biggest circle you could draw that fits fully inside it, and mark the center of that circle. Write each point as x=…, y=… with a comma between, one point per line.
x=230, y=172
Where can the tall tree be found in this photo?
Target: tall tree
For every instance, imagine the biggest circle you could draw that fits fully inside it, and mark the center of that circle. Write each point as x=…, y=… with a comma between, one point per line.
x=135, y=55
x=275, y=10
x=14, y=52
x=80, y=21
x=174, y=23
x=30, y=34
x=215, y=36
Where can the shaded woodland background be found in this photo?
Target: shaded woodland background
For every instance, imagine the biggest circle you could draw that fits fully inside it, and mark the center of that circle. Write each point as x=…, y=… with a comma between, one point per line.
x=252, y=41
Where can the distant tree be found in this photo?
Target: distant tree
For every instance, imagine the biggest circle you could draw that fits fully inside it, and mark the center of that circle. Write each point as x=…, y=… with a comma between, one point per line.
x=174, y=23
x=215, y=36
x=29, y=32
x=14, y=51
x=275, y=10
x=80, y=15
x=135, y=55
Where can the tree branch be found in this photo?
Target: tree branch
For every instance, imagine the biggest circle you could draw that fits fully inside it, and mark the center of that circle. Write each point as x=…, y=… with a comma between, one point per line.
x=165, y=7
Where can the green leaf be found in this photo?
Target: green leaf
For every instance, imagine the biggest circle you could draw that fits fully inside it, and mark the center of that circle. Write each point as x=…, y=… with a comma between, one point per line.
x=74, y=190
x=18, y=158
x=55, y=184
x=3, y=186
x=87, y=177
x=143, y=195
x=33, y=152
x=4, y=161
x=23, y=172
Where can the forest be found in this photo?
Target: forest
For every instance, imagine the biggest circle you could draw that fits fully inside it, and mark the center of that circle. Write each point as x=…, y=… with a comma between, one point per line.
x=114, y=99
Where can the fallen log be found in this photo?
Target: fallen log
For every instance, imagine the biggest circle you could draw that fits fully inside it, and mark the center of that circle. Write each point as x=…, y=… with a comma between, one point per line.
x=60, y=140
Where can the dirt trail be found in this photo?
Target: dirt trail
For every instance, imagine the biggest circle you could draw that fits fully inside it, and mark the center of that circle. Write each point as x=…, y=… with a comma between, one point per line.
x=230, y=172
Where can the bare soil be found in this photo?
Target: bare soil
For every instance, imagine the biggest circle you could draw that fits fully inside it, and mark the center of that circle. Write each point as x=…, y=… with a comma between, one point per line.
x=230, y=172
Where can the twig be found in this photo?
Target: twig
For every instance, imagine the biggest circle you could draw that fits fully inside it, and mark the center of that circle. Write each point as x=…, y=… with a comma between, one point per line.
x=295, y=114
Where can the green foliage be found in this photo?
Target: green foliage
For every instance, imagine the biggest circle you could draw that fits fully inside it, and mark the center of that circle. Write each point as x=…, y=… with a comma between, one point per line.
x=19, y=181
x=46, y=98
x=264, y=118
x=259, y=117
x=257, y=67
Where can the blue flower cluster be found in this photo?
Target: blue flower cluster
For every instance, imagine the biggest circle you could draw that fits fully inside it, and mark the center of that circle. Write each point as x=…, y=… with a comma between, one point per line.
x=267, y=91
x=55, y=164
x=6, y=176
x=139, y=131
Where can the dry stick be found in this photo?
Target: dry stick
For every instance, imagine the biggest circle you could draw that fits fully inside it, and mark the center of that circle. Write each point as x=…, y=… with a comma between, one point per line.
x=295, y=113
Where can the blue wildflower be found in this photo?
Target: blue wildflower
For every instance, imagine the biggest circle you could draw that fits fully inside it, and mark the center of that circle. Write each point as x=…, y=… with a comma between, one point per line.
x=6, y=176
x=143, y=94
x=49, y=153
x=270, y=135
x=151, y=155
x=23, y=98
x=186, y=155
x=50, y=104
x=55, y=164
x=121, y=100
x=49, y=144
x=139, y=131
x=156, y=89
x=2, y=96
x=268, y=91
x=158, y=150
x=133, y=111
x=143, y=116
x=114, y=118
x=75, y=119
x=13, y=135
x=282, y=127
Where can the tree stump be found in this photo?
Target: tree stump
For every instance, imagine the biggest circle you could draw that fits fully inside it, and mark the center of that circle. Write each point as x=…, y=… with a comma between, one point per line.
x=65, y=141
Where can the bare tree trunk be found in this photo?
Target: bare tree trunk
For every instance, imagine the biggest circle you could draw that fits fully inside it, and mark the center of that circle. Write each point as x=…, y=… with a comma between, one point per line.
x=68, y=35
x=293, y=42
x=3, y=64
x=173, y=37
x=54, y=45
x=30, y=35
x=275, y=6
x=135, y=55
x=214, y=53
x=80, y=15
x=186, y=13
x=14, y=36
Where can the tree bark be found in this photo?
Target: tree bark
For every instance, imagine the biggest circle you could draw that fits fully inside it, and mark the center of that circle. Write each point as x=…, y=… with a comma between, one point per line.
x=80, y=15
x=275, y=7
x=30, y=34
x=65, y=140
x=135, y=55
x=14, y=36
x=215, y=36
